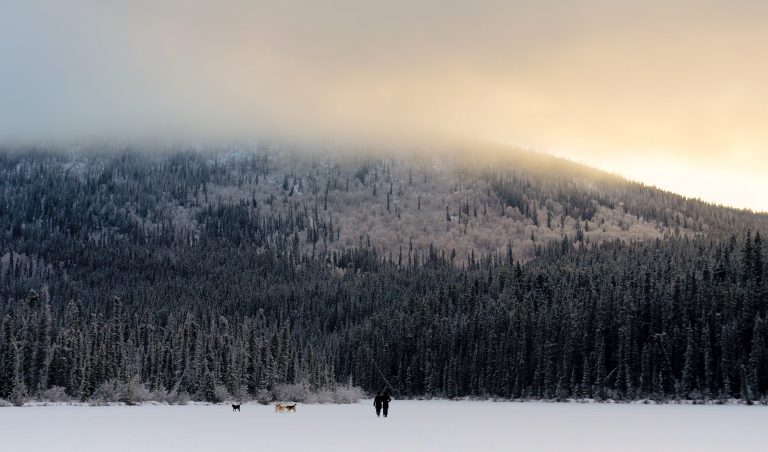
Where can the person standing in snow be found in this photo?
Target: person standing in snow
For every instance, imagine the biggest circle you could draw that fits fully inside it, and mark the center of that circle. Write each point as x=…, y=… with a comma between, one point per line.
x=385, y=402
x=377, y=403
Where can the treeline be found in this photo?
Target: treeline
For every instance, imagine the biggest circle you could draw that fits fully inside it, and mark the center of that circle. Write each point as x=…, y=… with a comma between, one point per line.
x=674, y=319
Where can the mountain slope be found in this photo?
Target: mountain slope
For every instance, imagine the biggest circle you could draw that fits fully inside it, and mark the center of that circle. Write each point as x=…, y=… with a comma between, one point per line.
x=330, y=204
x=242, y=271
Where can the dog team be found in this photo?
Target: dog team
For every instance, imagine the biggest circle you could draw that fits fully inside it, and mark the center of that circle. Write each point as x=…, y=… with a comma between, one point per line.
x=279, y=408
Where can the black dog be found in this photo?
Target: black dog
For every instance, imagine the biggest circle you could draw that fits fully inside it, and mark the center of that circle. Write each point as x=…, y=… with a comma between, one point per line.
x=236, y=408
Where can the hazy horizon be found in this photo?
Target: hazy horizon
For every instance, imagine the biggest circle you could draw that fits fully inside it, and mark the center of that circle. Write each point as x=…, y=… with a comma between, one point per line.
x=670, y=95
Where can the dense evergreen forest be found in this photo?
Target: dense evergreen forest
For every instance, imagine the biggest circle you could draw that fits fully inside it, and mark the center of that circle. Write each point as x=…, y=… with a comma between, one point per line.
x=240, y=273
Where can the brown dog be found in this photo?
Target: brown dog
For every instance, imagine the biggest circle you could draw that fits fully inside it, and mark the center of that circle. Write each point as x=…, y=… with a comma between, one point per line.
x=279, y=408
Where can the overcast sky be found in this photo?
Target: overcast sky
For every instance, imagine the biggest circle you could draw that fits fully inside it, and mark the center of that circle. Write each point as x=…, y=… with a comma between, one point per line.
x=669, y=93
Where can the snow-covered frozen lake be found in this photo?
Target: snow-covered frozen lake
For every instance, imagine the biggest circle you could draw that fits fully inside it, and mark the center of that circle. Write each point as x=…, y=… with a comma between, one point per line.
x=412, y=426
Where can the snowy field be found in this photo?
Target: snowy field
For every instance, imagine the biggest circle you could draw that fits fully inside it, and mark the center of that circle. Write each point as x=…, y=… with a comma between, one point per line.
x=412, y=426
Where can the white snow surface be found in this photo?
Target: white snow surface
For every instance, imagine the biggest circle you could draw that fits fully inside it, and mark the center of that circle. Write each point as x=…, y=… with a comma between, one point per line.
x=412, y=426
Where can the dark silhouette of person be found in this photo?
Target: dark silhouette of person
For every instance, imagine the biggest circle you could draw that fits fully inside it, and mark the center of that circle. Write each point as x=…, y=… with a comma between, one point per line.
x=385, y=402
x=378, y=401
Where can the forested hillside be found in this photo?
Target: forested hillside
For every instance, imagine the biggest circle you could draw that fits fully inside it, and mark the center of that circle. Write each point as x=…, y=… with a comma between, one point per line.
x=233, y=273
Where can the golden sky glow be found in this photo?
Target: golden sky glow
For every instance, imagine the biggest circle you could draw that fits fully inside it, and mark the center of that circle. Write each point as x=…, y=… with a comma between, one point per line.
x=668, y=93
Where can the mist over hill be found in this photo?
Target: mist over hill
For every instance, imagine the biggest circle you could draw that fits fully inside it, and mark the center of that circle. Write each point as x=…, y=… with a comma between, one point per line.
x=241, y=270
